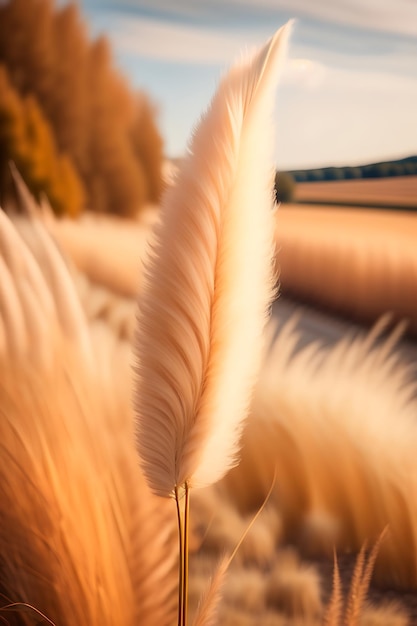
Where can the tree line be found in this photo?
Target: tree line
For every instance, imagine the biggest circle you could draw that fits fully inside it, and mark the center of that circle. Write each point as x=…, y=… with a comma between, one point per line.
x=401, y=167
x=68, y=119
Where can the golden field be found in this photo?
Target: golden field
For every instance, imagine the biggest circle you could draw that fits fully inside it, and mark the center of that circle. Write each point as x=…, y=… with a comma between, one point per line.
x=396, y=191
x=361, y=263
x=335, y=426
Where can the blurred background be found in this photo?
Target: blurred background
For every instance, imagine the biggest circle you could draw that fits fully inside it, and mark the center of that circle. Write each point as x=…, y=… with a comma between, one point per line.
x=98, y=99
x=349, y=88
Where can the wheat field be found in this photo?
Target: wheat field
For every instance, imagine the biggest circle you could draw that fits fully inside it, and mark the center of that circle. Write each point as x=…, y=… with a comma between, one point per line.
x=397, y=191
x=361, y=263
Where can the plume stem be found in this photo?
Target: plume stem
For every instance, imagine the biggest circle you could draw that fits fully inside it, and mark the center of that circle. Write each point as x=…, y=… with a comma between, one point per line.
x=183, y=515
x=185, y=556
x=180, y=558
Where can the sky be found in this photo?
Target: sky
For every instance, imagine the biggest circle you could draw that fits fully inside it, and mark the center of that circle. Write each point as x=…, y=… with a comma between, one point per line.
x=348, y=95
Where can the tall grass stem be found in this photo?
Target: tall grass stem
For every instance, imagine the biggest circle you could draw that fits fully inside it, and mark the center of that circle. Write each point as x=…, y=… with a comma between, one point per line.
x=180, y=559
x=185, y=558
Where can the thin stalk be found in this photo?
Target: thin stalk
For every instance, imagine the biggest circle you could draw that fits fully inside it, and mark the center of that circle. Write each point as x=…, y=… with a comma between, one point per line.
x=185, y=560
x=180, y=560
x=255, y=517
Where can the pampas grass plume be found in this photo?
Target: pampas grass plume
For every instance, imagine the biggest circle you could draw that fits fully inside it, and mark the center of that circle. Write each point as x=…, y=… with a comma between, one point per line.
x=209, y=285
x=82, y=538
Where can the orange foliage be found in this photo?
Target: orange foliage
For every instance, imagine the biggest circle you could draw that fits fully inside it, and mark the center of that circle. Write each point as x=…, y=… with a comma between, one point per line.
x=26, y=138
x=112, y=141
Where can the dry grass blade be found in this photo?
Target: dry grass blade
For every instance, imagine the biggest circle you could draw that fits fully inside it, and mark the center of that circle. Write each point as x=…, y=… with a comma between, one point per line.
x=22, y=607
x=333, y=612
x=353, y=601
x=361, y=581
x=207, y=612
x=68, y=309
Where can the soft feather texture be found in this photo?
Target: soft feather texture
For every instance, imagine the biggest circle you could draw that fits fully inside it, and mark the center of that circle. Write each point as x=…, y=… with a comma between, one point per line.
x=207, y=613
x=337, y=426
x=209, y=285
x=37, y=305
x=82, y=538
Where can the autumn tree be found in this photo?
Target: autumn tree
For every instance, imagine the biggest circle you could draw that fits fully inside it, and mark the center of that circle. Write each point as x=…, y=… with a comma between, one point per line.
x=12, y=127
x=148, y=146
x=69, y=103
x=111, y=141
x=26, y=138
x=122, y=181
x=26, y=45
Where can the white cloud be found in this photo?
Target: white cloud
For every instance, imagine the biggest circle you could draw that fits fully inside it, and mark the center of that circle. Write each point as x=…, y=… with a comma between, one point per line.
x=179, y=42
x=176, y=43
x=390, y=16
x=353, y=118
x=304, y=72
x=173, y=42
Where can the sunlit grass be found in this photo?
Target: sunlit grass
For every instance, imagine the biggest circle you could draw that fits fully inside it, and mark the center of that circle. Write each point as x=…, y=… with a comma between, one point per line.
x=360, y=263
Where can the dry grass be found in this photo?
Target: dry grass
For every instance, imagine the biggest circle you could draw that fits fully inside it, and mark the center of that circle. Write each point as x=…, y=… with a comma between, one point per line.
x=361, y=263
x=284, y=587
x=288, y=591
x=109, y=251
x=263, y=586
x=74, y=506
x=246, y=590
x=338, y=426
x=101, y=304
x=398, y=191
x=218, y=526
x=352, y=612
x=294, y=589
x=387, y=614
x=81, y=537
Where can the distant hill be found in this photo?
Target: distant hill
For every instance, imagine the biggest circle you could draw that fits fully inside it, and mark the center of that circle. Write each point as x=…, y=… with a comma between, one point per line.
x=382, y=169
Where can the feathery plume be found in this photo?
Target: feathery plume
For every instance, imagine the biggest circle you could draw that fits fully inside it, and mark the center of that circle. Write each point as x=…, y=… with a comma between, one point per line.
x=209, y=285
x=67, y=305
x=333, y=612
x=361, y=580
x=207, y=613
x=82, y=538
